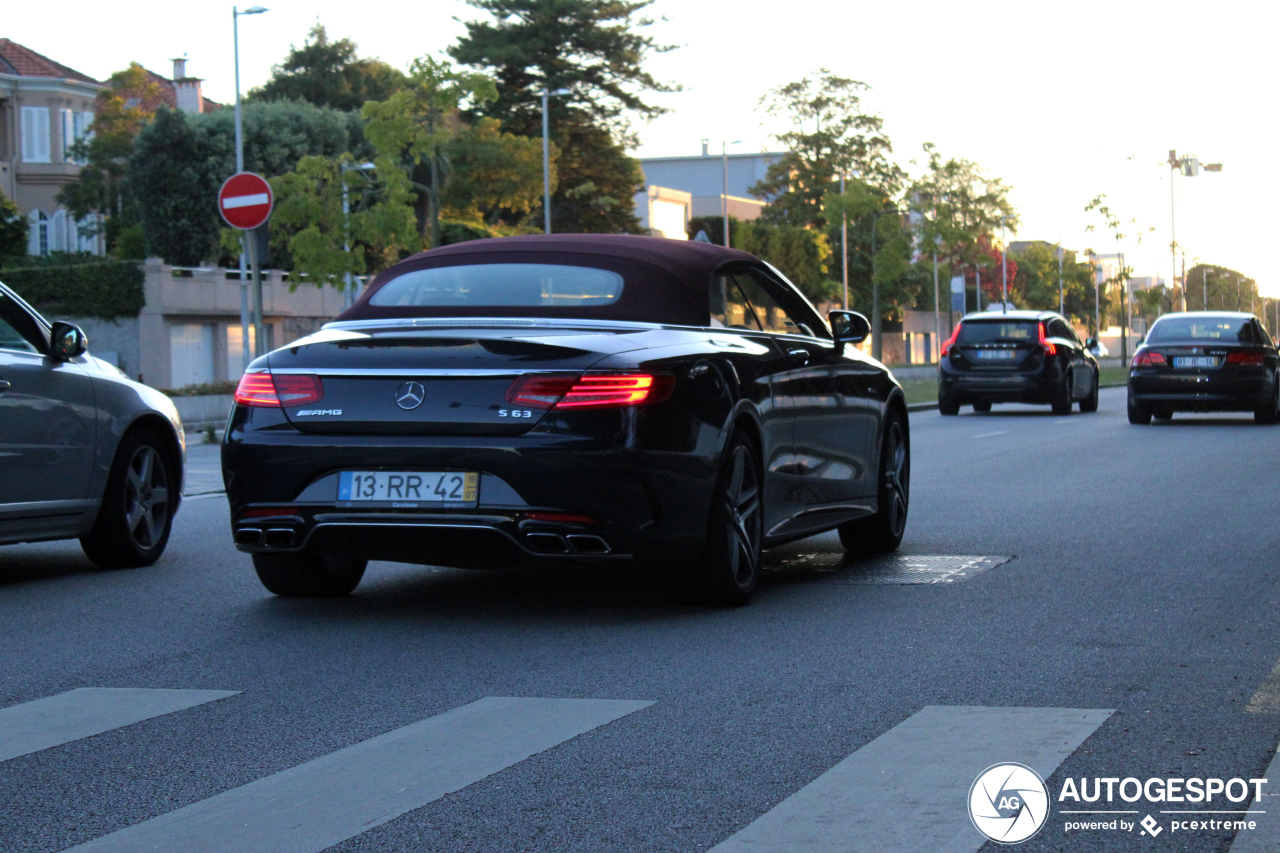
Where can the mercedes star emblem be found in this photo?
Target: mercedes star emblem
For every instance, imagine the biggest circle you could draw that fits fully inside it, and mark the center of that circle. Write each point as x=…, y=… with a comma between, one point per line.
x=410, y=395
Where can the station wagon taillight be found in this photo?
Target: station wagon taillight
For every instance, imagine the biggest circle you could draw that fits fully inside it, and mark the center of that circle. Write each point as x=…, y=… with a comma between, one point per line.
x=1049, y=347
x=277, y=390
x=951, y=341
x=592, y=390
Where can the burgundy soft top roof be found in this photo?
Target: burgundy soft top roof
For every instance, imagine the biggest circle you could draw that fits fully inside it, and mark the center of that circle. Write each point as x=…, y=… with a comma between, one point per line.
x=667, y=280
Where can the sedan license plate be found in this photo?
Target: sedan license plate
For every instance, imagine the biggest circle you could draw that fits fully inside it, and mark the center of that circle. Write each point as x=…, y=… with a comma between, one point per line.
x=442, y=488
x=1195, y=361
x=995, y=354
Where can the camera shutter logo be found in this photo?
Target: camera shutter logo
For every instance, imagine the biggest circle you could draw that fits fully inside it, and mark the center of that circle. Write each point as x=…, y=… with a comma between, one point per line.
x=410, y=395
x=1008, y=803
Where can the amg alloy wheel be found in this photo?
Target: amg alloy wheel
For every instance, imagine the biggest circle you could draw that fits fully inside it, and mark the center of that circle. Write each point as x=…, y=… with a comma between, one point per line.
x=883, y=531
x=136, y=516
x=730, y=567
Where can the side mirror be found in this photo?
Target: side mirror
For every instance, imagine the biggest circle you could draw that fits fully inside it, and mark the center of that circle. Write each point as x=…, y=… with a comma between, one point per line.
x=68, y=341
x=1090, y=343
x=848, y=327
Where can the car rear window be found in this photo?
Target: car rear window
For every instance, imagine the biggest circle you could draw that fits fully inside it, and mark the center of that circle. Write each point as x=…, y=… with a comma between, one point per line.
x=1221, y=329
x=999, y=331
x=502, y=286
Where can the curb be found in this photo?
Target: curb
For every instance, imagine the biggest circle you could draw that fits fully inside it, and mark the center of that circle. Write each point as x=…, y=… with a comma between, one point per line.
x=924, y=407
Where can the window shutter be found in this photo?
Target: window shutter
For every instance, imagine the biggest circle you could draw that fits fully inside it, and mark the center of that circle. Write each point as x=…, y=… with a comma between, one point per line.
x=68, y=133
x=58, y=232
x=33, y=226
x=35, y=134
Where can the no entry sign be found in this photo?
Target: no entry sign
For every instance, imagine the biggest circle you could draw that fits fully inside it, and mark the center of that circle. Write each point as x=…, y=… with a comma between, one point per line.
x=245, y=200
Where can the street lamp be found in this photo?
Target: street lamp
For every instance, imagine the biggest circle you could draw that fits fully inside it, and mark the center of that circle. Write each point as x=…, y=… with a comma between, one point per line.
x=1190, y=167
x=258, y=343
x=724, y=196
x=546, y=159
x=349, y=295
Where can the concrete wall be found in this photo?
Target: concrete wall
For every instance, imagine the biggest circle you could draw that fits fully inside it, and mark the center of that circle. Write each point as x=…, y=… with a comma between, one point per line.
x=117, y=341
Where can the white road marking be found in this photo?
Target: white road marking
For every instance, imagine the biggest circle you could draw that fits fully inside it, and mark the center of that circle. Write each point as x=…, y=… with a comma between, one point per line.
x=323, y=802
x=1265, y=811
x=907, y=789
x=244, y=201
x=89, y=711
x=990, y=434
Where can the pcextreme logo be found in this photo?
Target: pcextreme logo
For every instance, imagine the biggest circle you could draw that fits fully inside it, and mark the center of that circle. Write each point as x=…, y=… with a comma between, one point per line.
x=1008, y=803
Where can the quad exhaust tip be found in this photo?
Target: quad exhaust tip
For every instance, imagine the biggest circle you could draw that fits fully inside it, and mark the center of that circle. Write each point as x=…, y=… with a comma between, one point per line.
x=575, y=543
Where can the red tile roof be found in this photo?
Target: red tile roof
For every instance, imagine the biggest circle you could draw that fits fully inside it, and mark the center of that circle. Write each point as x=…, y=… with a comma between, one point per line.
x=26, y=62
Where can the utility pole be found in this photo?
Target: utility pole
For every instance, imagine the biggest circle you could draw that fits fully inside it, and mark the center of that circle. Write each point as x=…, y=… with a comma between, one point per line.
x=1061, y=303
x=1004, y=273
x=844, y=247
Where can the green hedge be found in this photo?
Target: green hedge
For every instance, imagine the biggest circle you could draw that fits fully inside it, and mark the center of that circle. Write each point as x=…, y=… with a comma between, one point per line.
x=77, y=285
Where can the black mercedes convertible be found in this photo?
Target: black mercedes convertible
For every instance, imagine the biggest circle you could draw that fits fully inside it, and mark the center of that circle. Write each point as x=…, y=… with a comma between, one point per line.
x=566, y=398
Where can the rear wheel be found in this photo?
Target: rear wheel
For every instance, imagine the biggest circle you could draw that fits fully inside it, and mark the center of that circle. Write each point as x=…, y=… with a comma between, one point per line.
x=883, y=531
x=1062, y=403
x=947, y=404
x=1090, y=403
x=136, y=515
x=308, y=575
x=1138, y=413
x=1162, y=415
x=1270, y=413
x=729, y=570
x=982, y=407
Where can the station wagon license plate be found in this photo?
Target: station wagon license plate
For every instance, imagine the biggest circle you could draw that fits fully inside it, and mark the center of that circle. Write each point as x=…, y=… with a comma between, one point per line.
x=995, y=354
x=452, y=488
x=1195, y=361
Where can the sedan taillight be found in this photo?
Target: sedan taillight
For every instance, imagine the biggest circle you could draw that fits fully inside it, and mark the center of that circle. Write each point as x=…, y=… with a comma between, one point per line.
x=593, y=390
x=1254, y=359
x=276, y=390
x=1147, y=359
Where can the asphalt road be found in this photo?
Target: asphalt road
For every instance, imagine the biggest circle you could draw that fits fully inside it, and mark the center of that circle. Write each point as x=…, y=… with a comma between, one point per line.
x=1141, y=598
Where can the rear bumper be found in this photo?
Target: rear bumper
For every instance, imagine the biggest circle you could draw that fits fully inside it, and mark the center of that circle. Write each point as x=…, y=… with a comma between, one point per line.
x=643, y=504
x=1038, y=386
x=1199, y=392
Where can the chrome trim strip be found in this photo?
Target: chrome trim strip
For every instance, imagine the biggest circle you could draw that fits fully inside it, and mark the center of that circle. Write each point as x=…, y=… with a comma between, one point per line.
x=498, y=323
x=405, y=371
x=32, y=509
x=864, y=509
x=472, y=527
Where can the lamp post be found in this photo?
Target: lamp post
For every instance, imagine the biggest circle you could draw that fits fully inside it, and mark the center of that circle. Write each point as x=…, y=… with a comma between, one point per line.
x=844, y=246
x=546, y=159
x=877, y=321
x=258, y=343
x=349, y=296
x=1004, y=273
x=1190, y=167
x=724, y=196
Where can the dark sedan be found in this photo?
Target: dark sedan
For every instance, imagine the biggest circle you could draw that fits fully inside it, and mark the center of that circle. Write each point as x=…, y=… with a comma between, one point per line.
x=566, y=398
x=1205, y=361
x=1016, y=357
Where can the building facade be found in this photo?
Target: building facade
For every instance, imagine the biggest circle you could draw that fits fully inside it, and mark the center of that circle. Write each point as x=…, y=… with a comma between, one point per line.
x=704, y=179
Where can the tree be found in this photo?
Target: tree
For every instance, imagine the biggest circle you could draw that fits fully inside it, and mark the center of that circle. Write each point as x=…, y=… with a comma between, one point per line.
x=1112, y=223
x=594, y=49
x=180, y=161
x=308, y=219
x=13, y=230
x=830, y=136
x=1038, y=282
x=879, y=251
x=329, y=74
x=417, y=124
x=491, y=172
x=121, y=112
x=801, y=254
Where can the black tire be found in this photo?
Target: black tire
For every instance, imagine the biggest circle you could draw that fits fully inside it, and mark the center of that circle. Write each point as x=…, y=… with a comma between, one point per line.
x=1270, y=413
x=1090, y=403
x=1162, y=414
x=1062, y=403
x=982, y=407
x=729, y=571
x=883, y=531
x=308, y=575
x=136, y=514
x=1139, y=414
x=947, y=404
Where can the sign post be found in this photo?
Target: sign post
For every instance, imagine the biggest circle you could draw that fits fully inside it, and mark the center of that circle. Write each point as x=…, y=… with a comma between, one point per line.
x=245, y=201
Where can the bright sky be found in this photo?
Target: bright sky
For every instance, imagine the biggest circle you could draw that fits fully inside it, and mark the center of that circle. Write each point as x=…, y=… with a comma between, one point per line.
x=1062, y=101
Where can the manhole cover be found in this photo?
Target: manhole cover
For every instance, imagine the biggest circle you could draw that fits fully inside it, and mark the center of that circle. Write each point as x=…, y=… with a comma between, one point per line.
x=891, y=569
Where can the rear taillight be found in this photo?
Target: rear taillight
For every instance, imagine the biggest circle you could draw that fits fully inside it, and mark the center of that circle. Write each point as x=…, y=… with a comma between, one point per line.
x=1246, y=358
x=590, y=391
x=951, y=341
x=1049, y=347
x=276, y=390
x=1147, y=359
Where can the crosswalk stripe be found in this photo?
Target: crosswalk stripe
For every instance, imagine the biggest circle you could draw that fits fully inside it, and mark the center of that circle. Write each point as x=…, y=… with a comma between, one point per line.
x=325, y=801
x=55, y=720
x=907, y=789
x=1265, y=812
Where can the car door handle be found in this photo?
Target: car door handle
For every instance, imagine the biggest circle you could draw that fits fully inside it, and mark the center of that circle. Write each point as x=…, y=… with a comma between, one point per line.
x=4, y=386
x=798, y=355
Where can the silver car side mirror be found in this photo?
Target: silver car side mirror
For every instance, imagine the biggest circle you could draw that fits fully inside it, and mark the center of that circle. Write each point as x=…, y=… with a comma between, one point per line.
x=68, y=341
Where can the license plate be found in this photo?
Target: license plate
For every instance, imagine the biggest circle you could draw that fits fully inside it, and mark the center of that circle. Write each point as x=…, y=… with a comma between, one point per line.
x=995, y=354
x=444, y=488
x=1195, y=361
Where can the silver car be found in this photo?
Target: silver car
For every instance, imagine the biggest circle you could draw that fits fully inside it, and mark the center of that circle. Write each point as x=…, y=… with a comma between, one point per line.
x=85, y=452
